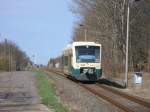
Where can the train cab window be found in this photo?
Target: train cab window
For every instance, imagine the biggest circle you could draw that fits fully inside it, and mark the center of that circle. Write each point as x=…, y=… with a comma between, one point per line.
x=89, y=54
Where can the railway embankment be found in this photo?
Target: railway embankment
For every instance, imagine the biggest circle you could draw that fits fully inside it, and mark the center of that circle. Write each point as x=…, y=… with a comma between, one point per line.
x=104, y=91
x=30, y=92
x=77, y=99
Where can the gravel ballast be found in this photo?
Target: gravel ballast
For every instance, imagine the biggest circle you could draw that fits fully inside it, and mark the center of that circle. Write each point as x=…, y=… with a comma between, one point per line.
x=77, y=99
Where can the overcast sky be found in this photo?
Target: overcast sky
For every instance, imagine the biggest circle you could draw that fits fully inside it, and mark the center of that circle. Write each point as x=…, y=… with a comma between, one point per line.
x=40, y=27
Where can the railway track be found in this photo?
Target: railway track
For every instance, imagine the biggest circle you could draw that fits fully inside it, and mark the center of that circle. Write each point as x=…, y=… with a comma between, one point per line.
x=136, y=99
x=127, y=103
x=120, y=100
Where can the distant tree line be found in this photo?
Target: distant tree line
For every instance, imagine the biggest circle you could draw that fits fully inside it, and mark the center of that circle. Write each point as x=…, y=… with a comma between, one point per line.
x=55, y=62
x=105, y=22
x=12, y=57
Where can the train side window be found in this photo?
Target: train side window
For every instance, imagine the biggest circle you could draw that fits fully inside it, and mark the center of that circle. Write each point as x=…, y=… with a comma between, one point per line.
x=66, y=60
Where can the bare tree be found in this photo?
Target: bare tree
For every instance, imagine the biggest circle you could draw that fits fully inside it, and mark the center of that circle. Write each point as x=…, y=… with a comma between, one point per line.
x=108, y=17
x=11, y=56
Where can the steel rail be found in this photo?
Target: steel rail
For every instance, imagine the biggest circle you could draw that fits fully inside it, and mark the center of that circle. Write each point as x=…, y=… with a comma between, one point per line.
x=136, y=99
x=118, y=104
x=110, y=100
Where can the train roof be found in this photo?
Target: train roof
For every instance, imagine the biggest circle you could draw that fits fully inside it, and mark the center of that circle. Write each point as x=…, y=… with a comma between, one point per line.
x=67, y=49
x=80, y=44
x=85, y=43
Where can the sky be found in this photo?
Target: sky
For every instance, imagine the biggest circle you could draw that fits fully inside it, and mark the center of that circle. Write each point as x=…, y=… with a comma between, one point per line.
x=39, y=27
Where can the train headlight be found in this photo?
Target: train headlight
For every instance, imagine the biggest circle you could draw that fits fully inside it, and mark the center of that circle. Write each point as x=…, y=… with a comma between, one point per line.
x=85, y=70
x=91, y=71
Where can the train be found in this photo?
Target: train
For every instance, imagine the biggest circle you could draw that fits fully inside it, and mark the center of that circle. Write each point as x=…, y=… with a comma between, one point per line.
x=82, y=61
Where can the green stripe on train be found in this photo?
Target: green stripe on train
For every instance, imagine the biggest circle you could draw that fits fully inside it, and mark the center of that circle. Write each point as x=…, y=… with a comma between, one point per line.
x=99, y=72
x=75, y=72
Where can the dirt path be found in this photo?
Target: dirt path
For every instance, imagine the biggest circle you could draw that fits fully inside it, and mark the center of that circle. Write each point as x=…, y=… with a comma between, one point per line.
x=18, y=93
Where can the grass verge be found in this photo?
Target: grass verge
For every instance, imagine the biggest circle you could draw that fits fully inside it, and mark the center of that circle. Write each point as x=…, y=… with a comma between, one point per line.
x=47, y=93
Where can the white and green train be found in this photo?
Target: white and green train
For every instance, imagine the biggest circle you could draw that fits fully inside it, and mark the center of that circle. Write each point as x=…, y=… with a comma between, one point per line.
x=82, y=60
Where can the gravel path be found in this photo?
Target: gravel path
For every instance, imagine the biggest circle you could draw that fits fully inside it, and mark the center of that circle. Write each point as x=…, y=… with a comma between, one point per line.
x=77, y=99
x=18, y=93
x=142, y=90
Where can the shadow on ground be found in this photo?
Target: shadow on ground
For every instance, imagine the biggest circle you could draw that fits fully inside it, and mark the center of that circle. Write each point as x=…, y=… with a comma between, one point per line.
x=101, y=81
x=110, y=83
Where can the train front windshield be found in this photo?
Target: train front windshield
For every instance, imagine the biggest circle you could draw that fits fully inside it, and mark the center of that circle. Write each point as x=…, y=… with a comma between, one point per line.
x=87, y=54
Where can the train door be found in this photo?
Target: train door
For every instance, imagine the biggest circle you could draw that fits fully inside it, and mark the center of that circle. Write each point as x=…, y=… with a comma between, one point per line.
x=65, y=63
